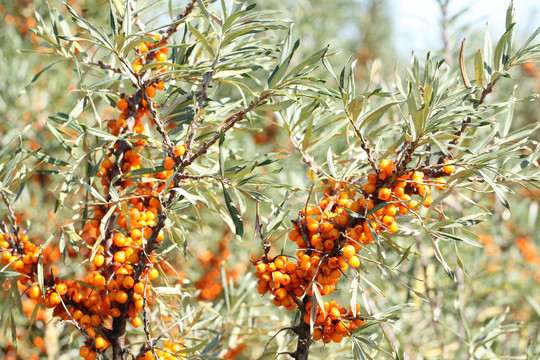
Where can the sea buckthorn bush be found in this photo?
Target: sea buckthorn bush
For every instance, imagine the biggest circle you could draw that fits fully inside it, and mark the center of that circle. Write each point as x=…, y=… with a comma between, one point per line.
x=210, y=173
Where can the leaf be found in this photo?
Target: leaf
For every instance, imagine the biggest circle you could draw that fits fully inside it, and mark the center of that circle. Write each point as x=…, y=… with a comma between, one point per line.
x=501, y=51
x=498, y=192
x=330, y=161
x=355, y=107
x=308, y=63
x=317, y=295
x=279, y=70
x=479, y=68
x=376, y=114
x=278, y=106
x=233, y=211
x=203, y=39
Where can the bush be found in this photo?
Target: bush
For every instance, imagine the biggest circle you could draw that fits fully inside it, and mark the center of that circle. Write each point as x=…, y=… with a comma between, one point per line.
x=182, y=154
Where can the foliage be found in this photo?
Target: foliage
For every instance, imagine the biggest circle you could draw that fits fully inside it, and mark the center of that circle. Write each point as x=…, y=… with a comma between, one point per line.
x=178, y=151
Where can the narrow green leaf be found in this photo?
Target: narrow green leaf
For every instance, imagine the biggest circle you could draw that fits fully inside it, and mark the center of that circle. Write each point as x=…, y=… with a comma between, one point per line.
x=479, y=68
x=202, y=39
x=233, y=211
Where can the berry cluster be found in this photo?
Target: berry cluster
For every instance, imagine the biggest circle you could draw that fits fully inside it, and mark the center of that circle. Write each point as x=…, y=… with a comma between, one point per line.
x=19, y=254
x=210, y=283
x=334, y=322
x=329, y=235
x=171, y=351
x=121, y=237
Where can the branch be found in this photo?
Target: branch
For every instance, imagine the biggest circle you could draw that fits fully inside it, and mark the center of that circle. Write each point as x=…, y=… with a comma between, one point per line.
x=207, y=78
x=225, y=126
x=363, y=143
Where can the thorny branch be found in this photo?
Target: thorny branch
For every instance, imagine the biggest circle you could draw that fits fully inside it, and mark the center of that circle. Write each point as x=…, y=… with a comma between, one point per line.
x=363, y=143
x=207, y=78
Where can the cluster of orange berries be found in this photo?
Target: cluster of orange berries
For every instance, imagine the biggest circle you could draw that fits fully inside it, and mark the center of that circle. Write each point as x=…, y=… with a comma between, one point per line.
x=19, y=254
x=122, y=263
x=329, y=235
x=171, y=351
x=210, y=283
x=334, y=322
x=530, y=254
x=147, y=52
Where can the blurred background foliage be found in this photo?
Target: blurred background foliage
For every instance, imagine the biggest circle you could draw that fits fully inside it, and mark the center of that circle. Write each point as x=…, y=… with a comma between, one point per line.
x=492, y=311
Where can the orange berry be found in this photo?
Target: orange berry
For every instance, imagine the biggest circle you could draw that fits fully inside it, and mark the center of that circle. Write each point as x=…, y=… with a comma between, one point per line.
x=153, y=274
x=98, y=260
x=354, y=261
x=128, y=282
x=120, y=257
x=440, y=183
x=136, y=322
x=384, y=194
x=101, y=343
x=138, y=288
x=179, y=150
x=160, y=57
x=84, y=351
x=348, y=251
x=370, y=188
x=54, y=299
x=151, y=91
x=121, y=297
x=384, y=164
x=168, y=163
x=61, y=289
x=449, y=168
x=372, y=178
x=34, y=292
x=122, y=104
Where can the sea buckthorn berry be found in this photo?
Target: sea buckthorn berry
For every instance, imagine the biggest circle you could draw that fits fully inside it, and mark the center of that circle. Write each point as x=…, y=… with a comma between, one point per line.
x=448, y=169
x=160, y=85
x=153, y=274
x=348, y=251
x=390, y=169
x=168, y=163
x=101, y=343
x=160, y=56
x=440, y=183
x=151, y=91
x=393, y=228
x=354, y=261
x=34, y=292
x=384, y=164
x=122, y=104
x=372, y=178
x=136, y=322
x=98, y=260
x=179, y=150
x=384, y=194
x=84, y=351
x=61, y=289
x=370, y=188
x=121, y=297
x=143, y=48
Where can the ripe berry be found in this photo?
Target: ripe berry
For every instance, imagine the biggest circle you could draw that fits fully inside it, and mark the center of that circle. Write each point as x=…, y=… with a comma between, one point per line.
x=122, y=104
x=179, y=150
x=448, y=169
x=168, y=163
x=160, y=57
x=384, y=194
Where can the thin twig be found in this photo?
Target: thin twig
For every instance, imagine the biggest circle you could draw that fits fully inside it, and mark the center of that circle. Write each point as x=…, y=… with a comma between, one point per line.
x=207, y=78
x=225, y=126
